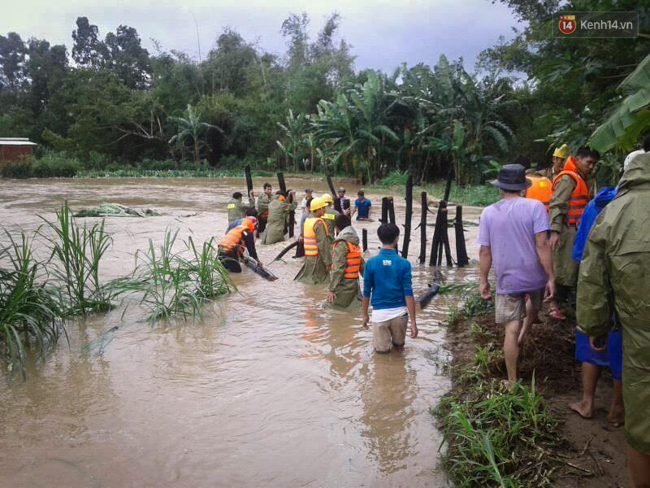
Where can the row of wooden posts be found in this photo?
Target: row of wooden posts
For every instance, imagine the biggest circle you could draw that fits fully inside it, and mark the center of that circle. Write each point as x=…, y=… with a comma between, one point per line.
x=440, y=240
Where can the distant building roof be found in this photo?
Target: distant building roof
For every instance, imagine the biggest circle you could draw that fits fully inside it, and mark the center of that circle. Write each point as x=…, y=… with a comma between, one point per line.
x=16, y=141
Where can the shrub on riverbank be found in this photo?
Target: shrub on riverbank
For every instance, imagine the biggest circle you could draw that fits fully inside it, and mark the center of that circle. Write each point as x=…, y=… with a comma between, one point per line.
x=495, y=437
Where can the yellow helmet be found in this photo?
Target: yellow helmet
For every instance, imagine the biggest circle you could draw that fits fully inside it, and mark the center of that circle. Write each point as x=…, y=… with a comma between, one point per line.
x=327, y=198
x=317, y=203
x=561, y=152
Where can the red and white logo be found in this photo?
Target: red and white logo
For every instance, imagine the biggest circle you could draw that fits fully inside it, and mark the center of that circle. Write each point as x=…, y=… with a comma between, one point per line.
x=567, y=24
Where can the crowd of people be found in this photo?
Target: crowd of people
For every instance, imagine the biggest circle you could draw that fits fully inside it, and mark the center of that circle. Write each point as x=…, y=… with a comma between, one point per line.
x=554, y=238
x=332, y=255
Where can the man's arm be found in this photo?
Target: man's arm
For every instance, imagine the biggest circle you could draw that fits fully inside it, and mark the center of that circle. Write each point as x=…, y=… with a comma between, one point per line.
x=595, y=299
x=485, y=263
x=339, y=262
x=323, y=244
x=559, y=207
x=249, y=240
x=368, y=284
x=545, y=258
x=354, y=210
x=410, y=305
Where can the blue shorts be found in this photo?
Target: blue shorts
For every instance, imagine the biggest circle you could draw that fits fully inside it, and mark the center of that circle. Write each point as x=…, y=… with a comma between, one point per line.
x=612, y=357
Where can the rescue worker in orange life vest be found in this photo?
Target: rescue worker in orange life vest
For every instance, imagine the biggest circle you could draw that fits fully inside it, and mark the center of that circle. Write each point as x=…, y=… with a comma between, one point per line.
x=232, y=245
x=330, y=215
x=347, y=263
x=571, y=193
x=318, y=251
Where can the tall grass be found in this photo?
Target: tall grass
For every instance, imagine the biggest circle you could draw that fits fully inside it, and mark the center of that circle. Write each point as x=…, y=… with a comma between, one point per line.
x=76, y=256
x=30, y=311
x=172, y=285
x=495, y=437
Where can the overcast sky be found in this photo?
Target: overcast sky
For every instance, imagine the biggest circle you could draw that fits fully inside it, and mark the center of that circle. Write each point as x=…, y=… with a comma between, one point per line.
x=383, y=33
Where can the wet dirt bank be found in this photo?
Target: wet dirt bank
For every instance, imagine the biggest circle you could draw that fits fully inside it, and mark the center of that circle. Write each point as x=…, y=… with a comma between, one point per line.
x=267, y=388
x=591, y=453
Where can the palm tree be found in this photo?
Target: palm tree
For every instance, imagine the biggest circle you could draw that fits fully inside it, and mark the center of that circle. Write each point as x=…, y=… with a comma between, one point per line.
x=294, y=130
x=191, y=128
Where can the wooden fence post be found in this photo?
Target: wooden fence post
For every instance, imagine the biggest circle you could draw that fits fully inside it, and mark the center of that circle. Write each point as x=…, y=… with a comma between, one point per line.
x=407, y=218
x=423, y=228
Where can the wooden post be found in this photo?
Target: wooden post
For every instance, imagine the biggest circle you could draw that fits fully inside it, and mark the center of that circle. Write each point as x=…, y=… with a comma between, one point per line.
x=331, y=185
x=292, y=216
x=391, y=211
x=461, y=250
x=445, y=239
x=384, y=210
x=438, y=235
x=423, y=229
x=407, y=218
x=364, y=239
x=249, y=178
x=281, y=183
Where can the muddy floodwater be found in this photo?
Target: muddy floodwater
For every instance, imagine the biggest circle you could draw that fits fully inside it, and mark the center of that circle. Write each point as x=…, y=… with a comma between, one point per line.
x=266, y=389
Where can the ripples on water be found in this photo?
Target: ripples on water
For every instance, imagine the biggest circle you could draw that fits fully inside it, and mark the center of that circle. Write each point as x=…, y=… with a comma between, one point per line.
x=269, y=388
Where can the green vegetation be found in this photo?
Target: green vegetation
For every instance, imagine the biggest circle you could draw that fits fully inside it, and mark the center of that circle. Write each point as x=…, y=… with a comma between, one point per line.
x=31, y=310
x=117, y=105
x=495, y=437
x=37, y=297
x=76, y=255
x=171, y=285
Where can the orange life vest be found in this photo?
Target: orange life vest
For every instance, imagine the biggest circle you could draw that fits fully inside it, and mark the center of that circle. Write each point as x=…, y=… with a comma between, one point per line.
x=579, y=197
x=352, y=260
x=233, y=240
x=311, y=246
x=541, y=189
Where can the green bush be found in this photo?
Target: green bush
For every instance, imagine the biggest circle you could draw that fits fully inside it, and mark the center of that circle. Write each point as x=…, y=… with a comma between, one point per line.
x=158, y=165
x=21, y=168
x=55, y=165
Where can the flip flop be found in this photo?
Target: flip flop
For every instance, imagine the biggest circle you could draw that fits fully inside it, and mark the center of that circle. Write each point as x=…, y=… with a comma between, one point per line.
x=556, y=314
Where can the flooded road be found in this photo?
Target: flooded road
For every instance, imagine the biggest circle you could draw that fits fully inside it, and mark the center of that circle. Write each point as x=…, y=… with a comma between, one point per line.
x=266, y=389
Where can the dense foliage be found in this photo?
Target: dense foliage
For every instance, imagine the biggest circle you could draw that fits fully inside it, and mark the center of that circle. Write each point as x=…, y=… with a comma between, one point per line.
x=109, y=101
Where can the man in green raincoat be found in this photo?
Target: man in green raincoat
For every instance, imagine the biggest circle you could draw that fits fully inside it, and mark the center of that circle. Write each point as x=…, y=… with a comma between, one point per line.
x=236, y=208
x=615, y=277
x=330, y=215
x=347, y=263
x=571, y=193
x=318, y=250
x=279, y=209
x=262, y=207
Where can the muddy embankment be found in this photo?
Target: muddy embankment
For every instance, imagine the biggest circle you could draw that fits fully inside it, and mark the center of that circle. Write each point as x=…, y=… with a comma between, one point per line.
x=577, y=453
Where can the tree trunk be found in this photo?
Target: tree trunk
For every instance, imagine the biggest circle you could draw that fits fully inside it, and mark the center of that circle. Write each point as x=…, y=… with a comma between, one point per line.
x=196, y=152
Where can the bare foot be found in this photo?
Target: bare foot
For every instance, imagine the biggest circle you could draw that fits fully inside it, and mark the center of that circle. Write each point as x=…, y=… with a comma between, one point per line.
x=582, y=409
x=616, y=417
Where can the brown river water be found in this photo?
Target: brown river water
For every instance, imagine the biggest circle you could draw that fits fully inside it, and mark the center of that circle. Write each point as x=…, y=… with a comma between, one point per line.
x=266, y=389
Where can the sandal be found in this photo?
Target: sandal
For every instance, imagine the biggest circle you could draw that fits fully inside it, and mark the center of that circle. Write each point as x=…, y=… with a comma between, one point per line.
x=556, y=314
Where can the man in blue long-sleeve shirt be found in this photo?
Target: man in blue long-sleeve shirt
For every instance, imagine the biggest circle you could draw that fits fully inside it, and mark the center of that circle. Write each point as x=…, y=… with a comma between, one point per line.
x=387, y=279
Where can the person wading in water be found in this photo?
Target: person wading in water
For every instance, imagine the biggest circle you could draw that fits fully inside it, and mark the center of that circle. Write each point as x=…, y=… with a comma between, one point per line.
x=318, y=250
x=347, y=263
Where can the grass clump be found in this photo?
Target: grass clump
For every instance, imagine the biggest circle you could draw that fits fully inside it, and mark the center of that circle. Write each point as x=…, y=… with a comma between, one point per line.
x=173, y=285
x=77, y=252
x=499, y=438
x=30, y=311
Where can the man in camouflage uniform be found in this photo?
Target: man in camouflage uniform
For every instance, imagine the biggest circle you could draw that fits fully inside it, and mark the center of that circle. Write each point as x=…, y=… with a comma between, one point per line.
x=615, y=278
x=263, y=206
x=346, y=255
x=236, y=208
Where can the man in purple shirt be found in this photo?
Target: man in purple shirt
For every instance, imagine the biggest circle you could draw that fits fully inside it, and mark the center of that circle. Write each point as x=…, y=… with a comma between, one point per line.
x=513, y=236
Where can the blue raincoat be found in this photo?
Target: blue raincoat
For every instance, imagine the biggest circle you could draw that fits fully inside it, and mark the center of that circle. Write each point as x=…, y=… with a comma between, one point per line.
x=612, y=356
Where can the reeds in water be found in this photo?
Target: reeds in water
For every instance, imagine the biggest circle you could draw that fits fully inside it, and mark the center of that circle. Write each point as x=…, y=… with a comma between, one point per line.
x=30, y=311
x=77, y=252
x=172, y=285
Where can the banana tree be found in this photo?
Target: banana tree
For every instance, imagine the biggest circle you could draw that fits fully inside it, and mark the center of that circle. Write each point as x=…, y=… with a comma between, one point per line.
x=294, y=131
x=190, y=127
